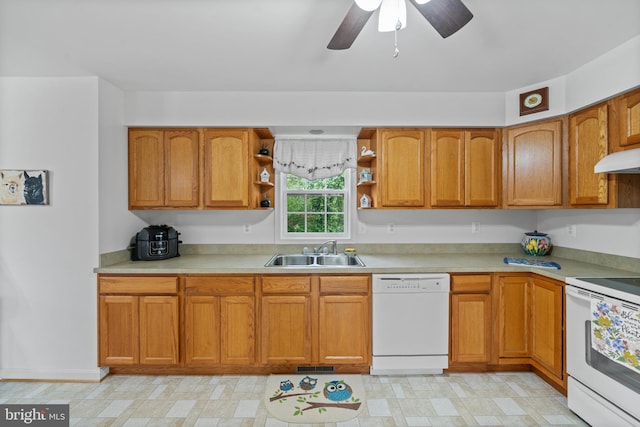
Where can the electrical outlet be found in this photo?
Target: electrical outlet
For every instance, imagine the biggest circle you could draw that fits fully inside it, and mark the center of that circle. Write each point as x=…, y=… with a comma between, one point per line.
x=391, y=228
x=475, y=227
x=362, y=228
x=571, y=230
x=247, y=228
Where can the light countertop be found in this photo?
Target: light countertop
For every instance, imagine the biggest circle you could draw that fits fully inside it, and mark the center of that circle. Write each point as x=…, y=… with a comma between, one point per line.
x=374, y=263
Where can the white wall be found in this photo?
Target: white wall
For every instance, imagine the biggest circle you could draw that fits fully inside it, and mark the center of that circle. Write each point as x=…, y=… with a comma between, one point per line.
x=612, y=73
x=117, y=224
x=47, y=253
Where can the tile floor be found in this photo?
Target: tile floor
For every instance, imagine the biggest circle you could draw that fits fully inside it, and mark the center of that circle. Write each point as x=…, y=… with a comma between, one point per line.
x=495, y=399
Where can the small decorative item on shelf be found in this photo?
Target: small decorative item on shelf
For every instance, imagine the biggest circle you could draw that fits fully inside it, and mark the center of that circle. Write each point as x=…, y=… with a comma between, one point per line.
x=264, y=151
x=536, y=244
x=365, y=201
x=365, y=175
x=265, y=202
x=264, y=175
x=367, y=152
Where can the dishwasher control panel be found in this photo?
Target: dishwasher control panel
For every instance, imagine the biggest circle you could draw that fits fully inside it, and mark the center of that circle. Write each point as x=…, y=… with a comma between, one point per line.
x=411, y=283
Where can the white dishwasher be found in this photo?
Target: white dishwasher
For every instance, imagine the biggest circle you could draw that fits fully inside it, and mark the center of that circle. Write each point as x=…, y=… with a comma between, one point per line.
x=410, y=328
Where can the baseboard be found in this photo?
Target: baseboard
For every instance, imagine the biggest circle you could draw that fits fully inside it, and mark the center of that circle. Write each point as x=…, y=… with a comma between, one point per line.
x=65, y=375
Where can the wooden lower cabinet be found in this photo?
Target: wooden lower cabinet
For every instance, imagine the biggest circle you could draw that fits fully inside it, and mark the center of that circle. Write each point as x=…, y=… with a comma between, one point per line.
x=511, y=302
x=547, y=308
x=138, y=321
x=286, y=320
x=344, y=330
x=529, y=324
x=316, y=320
x=470, y=321
x=219, y=320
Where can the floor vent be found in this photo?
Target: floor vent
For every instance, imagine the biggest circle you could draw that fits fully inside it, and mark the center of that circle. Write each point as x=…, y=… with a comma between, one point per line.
x=316, y=369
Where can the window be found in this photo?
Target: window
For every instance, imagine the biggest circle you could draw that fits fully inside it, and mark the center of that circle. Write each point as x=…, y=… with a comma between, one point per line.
x=315, y=208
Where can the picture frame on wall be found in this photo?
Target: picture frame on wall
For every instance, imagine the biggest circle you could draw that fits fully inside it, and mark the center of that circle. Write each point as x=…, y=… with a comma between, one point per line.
x=534, y=101
x=24, y=187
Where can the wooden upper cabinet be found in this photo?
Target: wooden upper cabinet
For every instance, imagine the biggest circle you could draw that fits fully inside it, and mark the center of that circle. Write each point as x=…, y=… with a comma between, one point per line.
x=464, y=168
x=447, y=171
x=588, y=143
x=226, y=168
x=146, y=168
x=629, y=108
x=182, y=168
x=163, y=168
x=534, y=165
x=402, y=167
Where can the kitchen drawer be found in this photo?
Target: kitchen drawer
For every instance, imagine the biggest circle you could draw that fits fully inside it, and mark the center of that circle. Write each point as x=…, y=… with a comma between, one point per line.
x=470, y=283
x=220, y=285
x=286, y=284
x=344, y=284
x=142, y=285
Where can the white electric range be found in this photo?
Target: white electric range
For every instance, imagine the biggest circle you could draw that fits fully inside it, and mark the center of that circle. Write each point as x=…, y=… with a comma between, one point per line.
x=603, y=349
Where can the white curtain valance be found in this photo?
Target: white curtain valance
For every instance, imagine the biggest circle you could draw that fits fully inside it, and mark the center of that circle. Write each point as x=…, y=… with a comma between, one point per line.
x=314, y=158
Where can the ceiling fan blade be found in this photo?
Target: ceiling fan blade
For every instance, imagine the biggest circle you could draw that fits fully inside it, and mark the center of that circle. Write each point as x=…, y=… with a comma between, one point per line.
x=446, y=16
x=349, y=28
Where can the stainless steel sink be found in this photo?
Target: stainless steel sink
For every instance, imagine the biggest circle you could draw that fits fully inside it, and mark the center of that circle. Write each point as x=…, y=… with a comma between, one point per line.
x=314, y=260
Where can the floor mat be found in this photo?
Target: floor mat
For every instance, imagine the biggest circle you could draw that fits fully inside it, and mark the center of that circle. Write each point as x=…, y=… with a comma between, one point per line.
x=326, y=398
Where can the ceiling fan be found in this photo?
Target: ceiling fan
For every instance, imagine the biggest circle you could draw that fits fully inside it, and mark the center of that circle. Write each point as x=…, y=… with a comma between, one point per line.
x=446, y=16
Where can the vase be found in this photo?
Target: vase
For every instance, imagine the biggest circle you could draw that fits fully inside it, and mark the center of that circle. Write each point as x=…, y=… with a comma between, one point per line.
x=536, y=244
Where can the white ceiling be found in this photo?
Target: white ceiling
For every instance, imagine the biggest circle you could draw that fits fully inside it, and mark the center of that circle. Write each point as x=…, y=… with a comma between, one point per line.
x=280, y=45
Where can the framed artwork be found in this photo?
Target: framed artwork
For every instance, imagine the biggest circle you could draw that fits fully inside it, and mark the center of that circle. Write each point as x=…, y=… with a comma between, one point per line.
x=534, y=101
x=23, y=187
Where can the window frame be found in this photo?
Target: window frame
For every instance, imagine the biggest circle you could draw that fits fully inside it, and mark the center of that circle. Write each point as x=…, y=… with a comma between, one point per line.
x=282, y=211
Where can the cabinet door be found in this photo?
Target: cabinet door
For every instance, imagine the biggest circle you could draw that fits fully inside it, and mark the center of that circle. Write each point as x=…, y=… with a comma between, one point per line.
x=546, y=325
x=159, y=330
x=146, y=168
x=447, y=168
x=513, y=318
x=237, y=330
x=182, y=168
x=286, y=329
x=470, y=328
x=202, y=329
x=226, y=164
x=629, y=106
x=402, y=170
x=482, y=168
x=588, y=143
x=119, y=341
x=344, y=329
x=534, y=165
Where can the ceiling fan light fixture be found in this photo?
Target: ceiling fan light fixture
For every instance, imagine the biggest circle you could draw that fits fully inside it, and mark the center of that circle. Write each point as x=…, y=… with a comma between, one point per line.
x=368, y=5
x=422, y=1
x=392, y=12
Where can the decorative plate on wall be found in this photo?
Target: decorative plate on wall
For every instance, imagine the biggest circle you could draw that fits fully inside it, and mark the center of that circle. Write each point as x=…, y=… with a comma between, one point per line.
x=534, y=101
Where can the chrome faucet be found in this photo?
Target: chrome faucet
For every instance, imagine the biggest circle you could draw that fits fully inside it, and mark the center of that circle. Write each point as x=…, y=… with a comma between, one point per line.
x=334, y=244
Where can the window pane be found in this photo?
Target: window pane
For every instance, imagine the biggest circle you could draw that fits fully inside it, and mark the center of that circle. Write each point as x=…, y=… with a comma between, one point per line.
x=336, y=182
x=295, y=203
x=316, y=203
x=335, y=203
x=335, y=223
x=315, y=223
x=295, y=223
x=296, y=183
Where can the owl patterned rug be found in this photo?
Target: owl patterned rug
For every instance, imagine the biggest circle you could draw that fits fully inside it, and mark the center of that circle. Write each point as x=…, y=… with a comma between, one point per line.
x=307, y=399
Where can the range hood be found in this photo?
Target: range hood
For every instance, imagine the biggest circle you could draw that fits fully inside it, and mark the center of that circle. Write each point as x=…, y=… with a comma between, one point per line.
x=620, y=162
